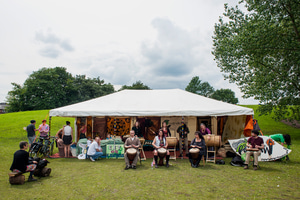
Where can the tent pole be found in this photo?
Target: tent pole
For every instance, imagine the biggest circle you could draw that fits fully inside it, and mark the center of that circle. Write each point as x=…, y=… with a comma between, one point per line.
x=182, y=136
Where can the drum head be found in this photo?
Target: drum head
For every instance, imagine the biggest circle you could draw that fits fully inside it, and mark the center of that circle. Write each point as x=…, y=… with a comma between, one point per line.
x=162, y=150
x=131, y=151
x=194, y=150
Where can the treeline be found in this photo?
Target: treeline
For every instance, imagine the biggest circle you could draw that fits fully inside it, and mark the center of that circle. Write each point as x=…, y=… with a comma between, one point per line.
x=50, y=88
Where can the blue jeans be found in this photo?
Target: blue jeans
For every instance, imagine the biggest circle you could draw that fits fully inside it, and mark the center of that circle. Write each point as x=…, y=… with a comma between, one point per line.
x=96, y=155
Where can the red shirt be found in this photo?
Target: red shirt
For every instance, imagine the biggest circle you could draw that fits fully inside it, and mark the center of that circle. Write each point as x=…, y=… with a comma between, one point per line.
x=255, y=141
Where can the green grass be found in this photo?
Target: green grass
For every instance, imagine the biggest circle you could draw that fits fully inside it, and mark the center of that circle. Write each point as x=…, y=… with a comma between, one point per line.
x=107, y=179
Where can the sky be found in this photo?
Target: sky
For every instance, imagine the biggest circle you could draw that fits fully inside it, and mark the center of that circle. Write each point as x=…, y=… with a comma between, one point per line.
x=164, y=44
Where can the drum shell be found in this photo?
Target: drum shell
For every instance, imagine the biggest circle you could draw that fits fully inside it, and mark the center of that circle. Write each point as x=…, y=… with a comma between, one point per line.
x=172, y=141
x=162, y=152
x=17, y=180
x=131, y=153
x=194, y=153
x=212, y=140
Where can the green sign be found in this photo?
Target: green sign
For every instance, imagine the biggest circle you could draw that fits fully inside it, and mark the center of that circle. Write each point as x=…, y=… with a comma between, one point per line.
x=115, y=151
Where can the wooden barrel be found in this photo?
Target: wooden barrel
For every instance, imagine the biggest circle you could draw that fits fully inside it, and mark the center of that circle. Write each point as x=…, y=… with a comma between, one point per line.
x=172, y=141
x=212, y=140
x=17, y=180
x=42, y=173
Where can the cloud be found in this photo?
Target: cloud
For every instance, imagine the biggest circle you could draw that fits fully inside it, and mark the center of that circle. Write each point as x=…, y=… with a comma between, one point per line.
x=54, y=44
x=172, y=53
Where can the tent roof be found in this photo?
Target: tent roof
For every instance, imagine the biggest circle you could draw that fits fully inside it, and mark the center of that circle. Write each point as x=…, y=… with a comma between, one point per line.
x=171, y=102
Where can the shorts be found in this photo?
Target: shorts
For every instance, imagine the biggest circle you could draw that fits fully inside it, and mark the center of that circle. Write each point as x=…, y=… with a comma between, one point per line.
x=67, y=139
x=31, y=139
x=30, y=168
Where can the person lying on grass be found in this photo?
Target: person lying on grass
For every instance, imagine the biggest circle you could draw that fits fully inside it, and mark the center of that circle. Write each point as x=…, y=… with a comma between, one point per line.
x=21, y=163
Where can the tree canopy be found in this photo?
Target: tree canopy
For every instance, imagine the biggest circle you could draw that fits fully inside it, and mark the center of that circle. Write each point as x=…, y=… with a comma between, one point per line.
x=49, y=88
x=195, y=86
x=138, y=85
x=226, y=95
x=260, y=51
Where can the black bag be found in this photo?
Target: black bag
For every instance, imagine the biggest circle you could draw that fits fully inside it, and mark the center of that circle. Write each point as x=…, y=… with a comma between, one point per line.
x=237, y=161
x=220, y=162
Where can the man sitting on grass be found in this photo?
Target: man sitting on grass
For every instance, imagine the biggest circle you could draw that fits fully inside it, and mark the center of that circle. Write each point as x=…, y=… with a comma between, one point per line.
x=95, y=150
x=21, y=163
x=255, y=144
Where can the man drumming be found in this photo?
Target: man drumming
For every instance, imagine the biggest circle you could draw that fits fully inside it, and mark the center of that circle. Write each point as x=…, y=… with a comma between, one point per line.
x=254, y=145
x=132, y=142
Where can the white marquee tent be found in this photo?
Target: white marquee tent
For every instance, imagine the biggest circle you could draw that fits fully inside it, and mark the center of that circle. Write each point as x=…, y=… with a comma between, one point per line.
x=170, y=104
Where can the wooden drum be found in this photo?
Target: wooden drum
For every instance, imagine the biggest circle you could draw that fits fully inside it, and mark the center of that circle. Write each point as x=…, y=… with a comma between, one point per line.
x=162, y=152
x=131, y=153
x=212, y=140
x=194, y=153
x=172, y=141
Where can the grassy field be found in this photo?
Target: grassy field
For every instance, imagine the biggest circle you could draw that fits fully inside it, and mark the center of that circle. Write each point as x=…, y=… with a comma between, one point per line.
x=107, y=179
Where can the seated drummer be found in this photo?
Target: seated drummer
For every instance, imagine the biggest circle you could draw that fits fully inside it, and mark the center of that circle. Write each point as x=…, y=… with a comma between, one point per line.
x=198, y=142
x=132, y=142
x=254, y=142
x=160, y=142
x=21, y=163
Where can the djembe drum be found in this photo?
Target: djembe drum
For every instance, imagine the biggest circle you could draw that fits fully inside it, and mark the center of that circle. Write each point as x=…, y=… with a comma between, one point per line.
x=194, y=152
x=131, y=153
x=162, y=152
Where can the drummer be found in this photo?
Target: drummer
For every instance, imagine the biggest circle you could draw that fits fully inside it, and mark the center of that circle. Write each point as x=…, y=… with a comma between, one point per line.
x=198, y=142
x=132, y=142
x=254, y=142
x=160, y=142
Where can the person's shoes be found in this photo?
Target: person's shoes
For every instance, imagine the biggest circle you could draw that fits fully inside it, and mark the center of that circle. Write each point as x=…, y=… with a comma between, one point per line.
x=133, y=167
x=193, y=166
x=92, y=159
x=156, y=166
x=30, y=179
x=255, y=168
x=180, y=156
x=246, y=167
x=127, y=167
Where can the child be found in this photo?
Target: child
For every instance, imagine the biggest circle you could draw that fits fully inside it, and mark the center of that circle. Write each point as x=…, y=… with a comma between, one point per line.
x=108, y=137
x=89, y=141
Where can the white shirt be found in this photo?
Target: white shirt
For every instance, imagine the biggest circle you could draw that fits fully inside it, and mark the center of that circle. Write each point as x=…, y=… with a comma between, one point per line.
x=67, y=130
x=89, y=142
x=93, y=147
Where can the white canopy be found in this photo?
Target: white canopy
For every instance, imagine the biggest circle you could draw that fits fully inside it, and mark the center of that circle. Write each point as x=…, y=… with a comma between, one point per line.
x=172, y=102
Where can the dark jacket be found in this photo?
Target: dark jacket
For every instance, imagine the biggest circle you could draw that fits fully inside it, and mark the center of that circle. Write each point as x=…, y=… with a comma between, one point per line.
x=20, y=161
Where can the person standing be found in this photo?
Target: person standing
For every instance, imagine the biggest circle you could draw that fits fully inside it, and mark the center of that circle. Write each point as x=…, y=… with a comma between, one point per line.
x=132, y=142
x=137, y=129
x=31, y=132
x=165, y=129
x=183, y=131
x=254, y=142
x=95, y=150
x=44, y=129
x=67, y=136
x=21, y=162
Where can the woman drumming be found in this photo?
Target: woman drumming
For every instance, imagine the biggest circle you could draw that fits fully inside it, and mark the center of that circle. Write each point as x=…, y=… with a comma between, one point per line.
x=82, y=131
x=160, y=142
x=198, y=142
x=137, y=129
x=166, y=129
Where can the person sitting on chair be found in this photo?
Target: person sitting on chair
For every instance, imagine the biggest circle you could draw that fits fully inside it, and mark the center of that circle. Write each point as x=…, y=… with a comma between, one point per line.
x=183, y=131
x=21, y=163
x=255, y=144
x=160, y=142
x=95, y=150
x=198, y=142
x=132, y=142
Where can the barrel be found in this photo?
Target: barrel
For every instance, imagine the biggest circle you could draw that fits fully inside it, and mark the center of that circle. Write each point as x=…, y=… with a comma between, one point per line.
x=17, y=180
x=172, y=141
x=42, y=172
x=212, y=140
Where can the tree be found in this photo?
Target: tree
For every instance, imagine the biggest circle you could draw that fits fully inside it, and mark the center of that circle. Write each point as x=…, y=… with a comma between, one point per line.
x=195, y=86
x=49, y=88
x=138, y=85
x=260, y=52
x=225, y=95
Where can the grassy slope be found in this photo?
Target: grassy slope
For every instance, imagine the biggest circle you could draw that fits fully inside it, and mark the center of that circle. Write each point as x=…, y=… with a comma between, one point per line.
x=82, y=179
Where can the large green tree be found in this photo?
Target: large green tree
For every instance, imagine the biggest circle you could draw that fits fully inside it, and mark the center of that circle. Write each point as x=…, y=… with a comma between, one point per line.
x=49, y=88
x=198, y=87
x=225, y=95
x=138, y=85
x=259, y=50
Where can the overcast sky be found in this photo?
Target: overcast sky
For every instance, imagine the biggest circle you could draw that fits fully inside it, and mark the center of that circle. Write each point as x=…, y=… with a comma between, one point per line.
x=162, y=43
